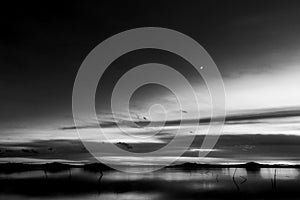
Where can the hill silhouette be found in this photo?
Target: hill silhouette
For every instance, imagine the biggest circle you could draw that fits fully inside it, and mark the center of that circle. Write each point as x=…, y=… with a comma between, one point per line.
x=8, y=168
x=249, y=165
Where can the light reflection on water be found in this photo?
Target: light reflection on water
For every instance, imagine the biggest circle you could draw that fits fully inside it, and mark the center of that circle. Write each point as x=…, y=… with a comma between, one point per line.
x=282, y=174
x=219, y=183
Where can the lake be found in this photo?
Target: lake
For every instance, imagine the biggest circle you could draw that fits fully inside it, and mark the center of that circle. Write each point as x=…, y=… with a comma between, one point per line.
x=168, y=183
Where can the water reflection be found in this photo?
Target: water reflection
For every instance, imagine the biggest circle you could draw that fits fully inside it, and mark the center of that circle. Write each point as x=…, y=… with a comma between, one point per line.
x=215, y=183
x=281, y=173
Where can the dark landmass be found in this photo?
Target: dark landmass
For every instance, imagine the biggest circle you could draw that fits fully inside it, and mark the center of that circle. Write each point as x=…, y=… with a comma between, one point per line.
x=249, y=165
x=8, y=168
x=53, y=167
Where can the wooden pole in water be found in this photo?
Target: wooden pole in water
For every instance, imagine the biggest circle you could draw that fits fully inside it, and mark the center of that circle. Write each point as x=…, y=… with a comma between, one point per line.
x=233, y=179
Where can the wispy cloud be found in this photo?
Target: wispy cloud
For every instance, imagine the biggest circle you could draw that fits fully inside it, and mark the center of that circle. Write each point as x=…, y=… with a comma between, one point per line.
x=242, y=117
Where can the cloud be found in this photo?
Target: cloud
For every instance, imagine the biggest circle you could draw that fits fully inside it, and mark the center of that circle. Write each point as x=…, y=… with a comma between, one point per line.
x=243, y=117
x=230, y=148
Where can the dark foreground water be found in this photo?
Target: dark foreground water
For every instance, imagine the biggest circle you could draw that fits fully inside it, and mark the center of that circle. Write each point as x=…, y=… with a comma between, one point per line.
x=222, y=183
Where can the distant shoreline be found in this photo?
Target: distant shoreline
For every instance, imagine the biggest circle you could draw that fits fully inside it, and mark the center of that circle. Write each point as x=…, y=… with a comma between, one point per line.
x=99, y=167
x=249, y=165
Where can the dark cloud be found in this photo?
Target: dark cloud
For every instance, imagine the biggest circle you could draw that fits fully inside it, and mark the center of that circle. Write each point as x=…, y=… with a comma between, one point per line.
x=240, y=148
x=246, y=117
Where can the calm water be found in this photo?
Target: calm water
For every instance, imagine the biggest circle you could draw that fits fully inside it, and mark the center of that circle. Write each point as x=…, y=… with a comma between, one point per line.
x=226, y=183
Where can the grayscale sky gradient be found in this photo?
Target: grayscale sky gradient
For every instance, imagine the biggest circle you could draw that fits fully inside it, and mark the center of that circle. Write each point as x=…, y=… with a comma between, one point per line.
x=255, y=44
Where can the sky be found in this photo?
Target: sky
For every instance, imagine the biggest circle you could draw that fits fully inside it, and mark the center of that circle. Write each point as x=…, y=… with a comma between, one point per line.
x=255, y=45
